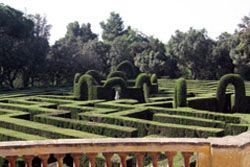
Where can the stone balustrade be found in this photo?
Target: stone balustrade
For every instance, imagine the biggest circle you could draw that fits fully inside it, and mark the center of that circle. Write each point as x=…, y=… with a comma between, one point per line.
x=231, y=151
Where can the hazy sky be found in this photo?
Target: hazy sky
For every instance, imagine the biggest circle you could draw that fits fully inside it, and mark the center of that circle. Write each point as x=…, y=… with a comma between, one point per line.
x=159, y=18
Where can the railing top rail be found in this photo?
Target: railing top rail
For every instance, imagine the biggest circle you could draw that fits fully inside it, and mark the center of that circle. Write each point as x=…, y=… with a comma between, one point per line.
x=118, y=145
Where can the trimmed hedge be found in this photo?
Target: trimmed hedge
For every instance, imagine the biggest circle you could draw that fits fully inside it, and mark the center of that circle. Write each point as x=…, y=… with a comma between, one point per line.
x=203, y=103
x=76, y=79
x=153, y=79
x=143, y=82
x=92, y=127
x=187, y=120
x=146, y=127
x=115, y=81
x=84, y=89
x=240, y=93
x=128, y=68
x=180, y=93
x=42, y=130
x=96, y=75
x=117, y=74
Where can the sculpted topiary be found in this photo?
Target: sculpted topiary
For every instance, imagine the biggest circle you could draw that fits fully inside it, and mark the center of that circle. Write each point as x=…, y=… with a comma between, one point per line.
x=240, y=93
x=143, y=81
x=76, y=79
x=95, y=74
x=117, y=74
x=153, y=79
x=180, y=93
x=115, y=81
x=128, y=68
x=84, y=89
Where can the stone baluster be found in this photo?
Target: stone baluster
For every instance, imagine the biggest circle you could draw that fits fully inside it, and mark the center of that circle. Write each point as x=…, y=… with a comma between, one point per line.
x=186, y=156
x=91, y=157
x=12, y=161
x=76, y=159
x=108, y=157
x=123, y=157
x=44, y=160
x=28, y=160
x=154, y=156
x=59, y=158
x=170, y=156
x=139, y=159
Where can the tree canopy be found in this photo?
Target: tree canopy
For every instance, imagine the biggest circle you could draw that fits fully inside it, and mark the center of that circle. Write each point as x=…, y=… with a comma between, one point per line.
x=27, y=60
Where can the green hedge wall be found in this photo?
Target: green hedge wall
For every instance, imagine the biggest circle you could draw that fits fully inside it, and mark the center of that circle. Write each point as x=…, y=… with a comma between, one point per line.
x=180, y=93
x=203, y=103
x=240, y=93
x=92, y=127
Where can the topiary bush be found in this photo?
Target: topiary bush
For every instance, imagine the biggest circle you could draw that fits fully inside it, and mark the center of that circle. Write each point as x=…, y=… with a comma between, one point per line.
x=76, y=79
x=95, y=74
x=240, y=93
x=115, y=81
x=180, y=93
x=84, y=89
x=117, y=74
x=153, y=79
x=143, y=82
x=128, y=68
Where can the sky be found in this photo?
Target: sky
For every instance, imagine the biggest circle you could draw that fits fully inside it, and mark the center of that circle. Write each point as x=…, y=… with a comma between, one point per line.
x=160, y=18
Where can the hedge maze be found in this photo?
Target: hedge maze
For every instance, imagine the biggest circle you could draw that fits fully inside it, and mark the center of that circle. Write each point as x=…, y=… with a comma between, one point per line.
x=144, y=107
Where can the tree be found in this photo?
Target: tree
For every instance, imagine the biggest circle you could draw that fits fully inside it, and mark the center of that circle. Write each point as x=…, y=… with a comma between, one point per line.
x=36, y=52
x=78, y=51
x=15, y=29
x=221, y=55
x=193, y=52
x=153, y=58
x=113, y=27
x=240, y=52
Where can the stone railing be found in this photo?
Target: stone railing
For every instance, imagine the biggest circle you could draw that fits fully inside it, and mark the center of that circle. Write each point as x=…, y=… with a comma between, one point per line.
x=231, y=151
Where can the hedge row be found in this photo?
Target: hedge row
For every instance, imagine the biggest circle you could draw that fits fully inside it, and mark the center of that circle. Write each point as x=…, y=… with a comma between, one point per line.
x=197, y=113
x=187, y=120
x=12, y=135
x=92, y=127
x=146, y=127
x=43, y=130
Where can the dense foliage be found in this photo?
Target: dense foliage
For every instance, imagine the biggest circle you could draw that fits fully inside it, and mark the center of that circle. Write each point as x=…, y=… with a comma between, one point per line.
x=27, y=60
x=240, y=93
x=180, y=94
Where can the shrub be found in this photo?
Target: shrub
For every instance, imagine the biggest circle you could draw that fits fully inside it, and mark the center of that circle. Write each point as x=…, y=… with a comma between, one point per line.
x=128, y=68
x=95, y=74
x=180, y=93
x=143, y=82
x=141, y=79
x=84, y=89
x=76, y=79
x=117, y=74
x=240, y=93
x=115, y=81
x=153, y=79
x=203, y=103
